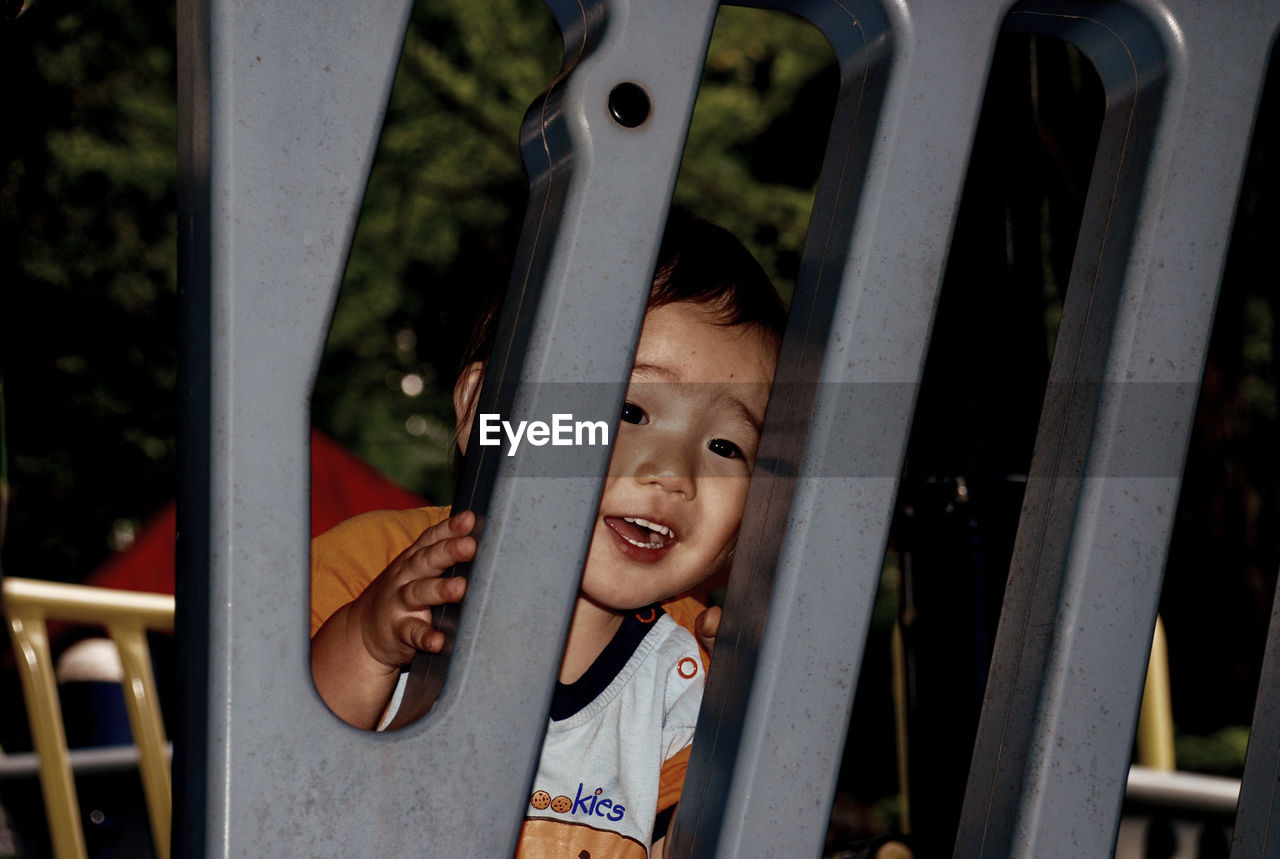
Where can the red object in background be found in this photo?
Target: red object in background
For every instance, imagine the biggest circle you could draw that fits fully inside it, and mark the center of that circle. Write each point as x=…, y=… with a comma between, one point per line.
x=342, y=486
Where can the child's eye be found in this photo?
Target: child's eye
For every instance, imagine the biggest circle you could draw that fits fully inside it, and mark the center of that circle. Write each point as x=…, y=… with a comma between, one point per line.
x=724, y=447
x=631, y=413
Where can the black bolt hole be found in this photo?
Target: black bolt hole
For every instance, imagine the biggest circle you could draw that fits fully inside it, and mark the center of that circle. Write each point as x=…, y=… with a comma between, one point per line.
x=629, y=104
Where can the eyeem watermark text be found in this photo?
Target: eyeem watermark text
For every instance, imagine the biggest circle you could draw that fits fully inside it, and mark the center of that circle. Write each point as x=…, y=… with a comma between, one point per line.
x=561, y=432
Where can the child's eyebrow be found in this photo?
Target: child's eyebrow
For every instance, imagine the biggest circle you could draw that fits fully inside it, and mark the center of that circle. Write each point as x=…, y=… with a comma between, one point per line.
x=645, y=373
x=652, y=372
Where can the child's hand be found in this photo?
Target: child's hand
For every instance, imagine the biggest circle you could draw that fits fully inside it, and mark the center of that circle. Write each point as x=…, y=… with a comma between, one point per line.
x=393, y=614
x=706, y=626
x=357, y=654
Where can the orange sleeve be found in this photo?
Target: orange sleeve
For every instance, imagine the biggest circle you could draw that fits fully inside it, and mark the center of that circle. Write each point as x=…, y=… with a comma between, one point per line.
x=671, y=780
x=684, y=611
x=348, y=556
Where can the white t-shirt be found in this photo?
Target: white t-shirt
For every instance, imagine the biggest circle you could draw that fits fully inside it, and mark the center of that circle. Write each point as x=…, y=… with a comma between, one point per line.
x=616, y=736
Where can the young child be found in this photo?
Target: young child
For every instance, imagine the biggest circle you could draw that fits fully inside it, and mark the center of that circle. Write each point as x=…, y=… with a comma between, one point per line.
x=630, y=681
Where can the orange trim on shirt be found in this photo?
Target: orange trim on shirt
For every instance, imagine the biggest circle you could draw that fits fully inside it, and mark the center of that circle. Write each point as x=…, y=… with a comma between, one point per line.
x=672, y=779
x=684, y=611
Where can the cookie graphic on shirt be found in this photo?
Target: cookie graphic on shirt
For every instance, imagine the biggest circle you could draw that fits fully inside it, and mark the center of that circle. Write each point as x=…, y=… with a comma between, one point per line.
x=561, y=804
x=540, y=799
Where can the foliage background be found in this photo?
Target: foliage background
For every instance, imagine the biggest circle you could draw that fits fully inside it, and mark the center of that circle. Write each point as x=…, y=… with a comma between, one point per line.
x=87, y=266
x=89, y=236
x=448, y=189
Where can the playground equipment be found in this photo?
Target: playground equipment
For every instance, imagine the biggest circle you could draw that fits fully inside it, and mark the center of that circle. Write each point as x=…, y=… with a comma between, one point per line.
x=281, y=106
x=127, y=616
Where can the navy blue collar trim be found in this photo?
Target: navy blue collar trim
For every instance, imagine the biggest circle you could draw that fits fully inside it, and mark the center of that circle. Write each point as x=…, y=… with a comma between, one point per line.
x=571, y=698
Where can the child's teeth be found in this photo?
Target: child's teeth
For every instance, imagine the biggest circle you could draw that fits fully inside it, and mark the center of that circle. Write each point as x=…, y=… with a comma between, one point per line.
x=652, y=526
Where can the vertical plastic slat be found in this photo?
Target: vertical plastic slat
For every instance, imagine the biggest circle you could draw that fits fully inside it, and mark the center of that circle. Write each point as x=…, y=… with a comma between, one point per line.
x=279, y=128
x=766, y=753
x=1052, y=754
x=280, y=107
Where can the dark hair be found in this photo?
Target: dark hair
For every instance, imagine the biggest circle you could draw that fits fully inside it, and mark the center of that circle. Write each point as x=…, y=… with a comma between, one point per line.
x=698, y=262
x=705, y=264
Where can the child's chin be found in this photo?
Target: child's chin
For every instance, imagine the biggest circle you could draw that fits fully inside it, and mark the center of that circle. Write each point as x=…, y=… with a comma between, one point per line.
x=608, y=595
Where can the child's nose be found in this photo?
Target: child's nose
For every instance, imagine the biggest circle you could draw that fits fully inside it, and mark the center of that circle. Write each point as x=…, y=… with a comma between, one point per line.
x=665, y=466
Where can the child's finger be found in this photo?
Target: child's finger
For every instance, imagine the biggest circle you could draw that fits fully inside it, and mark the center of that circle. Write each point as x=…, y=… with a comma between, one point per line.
x=707, y=626
x=435, y=559
x=457, y=525
x=426, y=592
x=418, y=634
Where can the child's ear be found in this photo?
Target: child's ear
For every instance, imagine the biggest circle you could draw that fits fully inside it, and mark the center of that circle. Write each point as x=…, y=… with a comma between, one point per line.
x=465, y=392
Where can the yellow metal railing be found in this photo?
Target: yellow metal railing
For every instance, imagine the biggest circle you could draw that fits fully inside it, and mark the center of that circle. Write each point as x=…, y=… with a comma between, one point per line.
x=127, y=616
x=1155, y=719
x=1154, y=745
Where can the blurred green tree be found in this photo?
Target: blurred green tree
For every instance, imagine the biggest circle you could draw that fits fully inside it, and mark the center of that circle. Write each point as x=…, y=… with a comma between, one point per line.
x=448, y=190
x=87, y=249
x=88, y=245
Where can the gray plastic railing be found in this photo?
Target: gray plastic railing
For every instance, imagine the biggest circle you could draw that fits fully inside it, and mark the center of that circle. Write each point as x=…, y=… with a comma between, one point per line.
x=281, y=107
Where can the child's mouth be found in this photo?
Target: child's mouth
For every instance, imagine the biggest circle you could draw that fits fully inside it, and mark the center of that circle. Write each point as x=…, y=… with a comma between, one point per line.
x=641, y=533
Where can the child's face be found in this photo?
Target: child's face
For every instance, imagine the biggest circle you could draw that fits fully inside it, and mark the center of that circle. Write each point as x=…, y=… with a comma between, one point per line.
x=681, y=459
